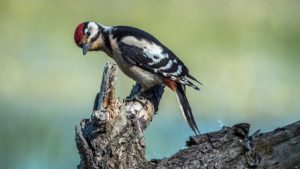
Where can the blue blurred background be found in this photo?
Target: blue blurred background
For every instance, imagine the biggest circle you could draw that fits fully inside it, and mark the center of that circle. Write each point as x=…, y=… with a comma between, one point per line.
x=245, y=52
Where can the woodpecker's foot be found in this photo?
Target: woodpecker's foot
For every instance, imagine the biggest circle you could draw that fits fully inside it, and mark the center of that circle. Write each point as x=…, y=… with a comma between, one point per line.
x=139, y=99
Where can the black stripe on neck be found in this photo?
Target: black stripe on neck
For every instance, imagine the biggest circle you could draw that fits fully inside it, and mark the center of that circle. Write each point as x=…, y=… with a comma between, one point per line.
x=107, y=40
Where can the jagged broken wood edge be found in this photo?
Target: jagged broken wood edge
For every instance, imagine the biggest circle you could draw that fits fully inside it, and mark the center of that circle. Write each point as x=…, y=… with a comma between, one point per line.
x=113, y=138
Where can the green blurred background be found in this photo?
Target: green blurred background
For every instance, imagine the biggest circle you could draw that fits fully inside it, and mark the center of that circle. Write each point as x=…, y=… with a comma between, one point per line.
x=245, y=52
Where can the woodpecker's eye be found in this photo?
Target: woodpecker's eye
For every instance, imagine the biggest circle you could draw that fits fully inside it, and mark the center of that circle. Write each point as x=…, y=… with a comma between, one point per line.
x=88, y=33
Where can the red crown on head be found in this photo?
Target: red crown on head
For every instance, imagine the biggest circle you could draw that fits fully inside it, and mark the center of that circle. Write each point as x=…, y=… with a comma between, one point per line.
x=79, y=33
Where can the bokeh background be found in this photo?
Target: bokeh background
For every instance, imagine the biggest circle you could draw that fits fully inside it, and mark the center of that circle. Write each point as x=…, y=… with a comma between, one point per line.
x=246, y=53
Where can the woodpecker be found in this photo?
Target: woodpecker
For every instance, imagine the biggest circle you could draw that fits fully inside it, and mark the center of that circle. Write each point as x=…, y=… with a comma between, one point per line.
x=142, y=57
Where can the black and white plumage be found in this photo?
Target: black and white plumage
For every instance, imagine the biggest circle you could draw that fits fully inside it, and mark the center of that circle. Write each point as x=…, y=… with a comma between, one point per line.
x=140, y=56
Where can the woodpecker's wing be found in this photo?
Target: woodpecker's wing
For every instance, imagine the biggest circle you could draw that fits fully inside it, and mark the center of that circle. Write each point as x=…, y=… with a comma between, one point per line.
x=145, y=51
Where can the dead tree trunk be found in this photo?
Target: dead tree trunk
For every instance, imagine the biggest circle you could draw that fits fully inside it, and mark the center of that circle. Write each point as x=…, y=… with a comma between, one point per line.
x=113, y=138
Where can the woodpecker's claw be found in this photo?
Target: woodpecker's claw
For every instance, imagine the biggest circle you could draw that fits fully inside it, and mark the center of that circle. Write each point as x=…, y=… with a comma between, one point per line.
x=139, y=99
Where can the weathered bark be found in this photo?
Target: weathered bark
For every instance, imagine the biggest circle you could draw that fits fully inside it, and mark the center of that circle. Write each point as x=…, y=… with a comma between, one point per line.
x=232, y=147
x=113, y=138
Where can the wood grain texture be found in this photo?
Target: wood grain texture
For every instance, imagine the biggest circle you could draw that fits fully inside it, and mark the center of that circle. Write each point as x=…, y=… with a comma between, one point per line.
x=113, y=138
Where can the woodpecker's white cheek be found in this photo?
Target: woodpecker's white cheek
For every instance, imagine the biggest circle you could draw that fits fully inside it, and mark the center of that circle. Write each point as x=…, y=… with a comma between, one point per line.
x=93, y=28
x=93, y=34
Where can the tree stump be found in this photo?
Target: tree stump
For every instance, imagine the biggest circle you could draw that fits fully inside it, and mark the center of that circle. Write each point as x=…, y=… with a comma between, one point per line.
x=113, y=138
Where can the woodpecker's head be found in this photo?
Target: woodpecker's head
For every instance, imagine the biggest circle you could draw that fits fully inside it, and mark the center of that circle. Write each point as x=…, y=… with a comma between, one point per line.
x=88, y=36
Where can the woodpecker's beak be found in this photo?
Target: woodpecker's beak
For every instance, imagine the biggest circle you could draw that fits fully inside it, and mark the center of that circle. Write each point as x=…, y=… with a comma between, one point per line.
x=85, y=48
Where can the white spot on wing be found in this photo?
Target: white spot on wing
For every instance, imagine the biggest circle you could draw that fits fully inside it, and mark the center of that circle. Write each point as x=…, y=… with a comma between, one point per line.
x=173, y=78
x=164, y=73
x=178, y=72
x=168, y=66
x=151, y=50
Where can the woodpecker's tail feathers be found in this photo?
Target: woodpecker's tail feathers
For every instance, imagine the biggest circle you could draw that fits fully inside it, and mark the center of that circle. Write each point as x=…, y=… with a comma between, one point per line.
x=185, y=107
x=193, y=78
x=185, y=81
